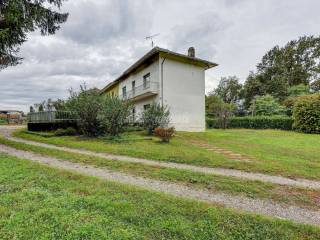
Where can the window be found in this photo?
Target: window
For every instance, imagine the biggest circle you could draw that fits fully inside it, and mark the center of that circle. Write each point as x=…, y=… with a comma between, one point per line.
x=133, y=83
x=146, y=81
x=133, y=114
x=124, y=91
x=146, y=107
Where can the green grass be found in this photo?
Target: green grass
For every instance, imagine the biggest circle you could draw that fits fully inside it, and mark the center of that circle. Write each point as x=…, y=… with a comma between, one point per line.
x=275, y=152
x=253, y=189
x=38, y=202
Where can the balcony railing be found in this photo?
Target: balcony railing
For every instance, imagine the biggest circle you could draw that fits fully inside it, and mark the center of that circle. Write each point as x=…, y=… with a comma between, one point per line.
x=144, y=89
x=51, y=116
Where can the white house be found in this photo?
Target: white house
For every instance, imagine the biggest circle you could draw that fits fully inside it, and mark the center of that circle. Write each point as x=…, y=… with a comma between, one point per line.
x=170, y=79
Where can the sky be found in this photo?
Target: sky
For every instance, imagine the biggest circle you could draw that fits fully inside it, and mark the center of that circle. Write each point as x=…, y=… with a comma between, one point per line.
x=102, y=38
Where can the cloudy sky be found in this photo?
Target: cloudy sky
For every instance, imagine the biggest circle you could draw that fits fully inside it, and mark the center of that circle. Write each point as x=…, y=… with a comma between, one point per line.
x=103, y=37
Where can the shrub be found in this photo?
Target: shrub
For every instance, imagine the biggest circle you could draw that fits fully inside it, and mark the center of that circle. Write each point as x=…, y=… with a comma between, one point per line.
x=266, y=106
x=165, y=134
x=70, y=131
x=114, y=115
x=257, y=122
x=87, y=105
x=155, y=116
x=306, y=114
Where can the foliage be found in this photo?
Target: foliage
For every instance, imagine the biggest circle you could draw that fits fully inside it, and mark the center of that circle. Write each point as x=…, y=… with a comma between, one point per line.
x=282, y=67
x=113, y=115
x=20, y=17
x=213, y=104
x=165, y=134
x=87, y=105
x=297, y=90
x=70, y=131
x=257, y=122
x=315, y=85
x=224, y=113
x=155, y=116
x=229, y=89
x=306, y=113
x=266, y=105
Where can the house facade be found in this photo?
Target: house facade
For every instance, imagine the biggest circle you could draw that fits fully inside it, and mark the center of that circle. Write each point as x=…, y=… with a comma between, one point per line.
x=170, y=79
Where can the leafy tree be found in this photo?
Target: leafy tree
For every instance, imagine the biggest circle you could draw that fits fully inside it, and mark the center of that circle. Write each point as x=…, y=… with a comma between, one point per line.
x=155, y=116
x=224, y=113
x=213, y=105
x=20, y=17
x=266, y=105
x=229, y=89
x=298, y=62
x=114, y=115
x=298, y=90
x=86, y=105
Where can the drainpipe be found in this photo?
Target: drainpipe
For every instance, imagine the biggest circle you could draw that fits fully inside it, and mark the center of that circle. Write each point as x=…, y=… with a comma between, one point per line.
x=162, y=63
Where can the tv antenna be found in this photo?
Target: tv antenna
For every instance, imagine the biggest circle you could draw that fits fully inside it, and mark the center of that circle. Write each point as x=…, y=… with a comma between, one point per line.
x=151, y=38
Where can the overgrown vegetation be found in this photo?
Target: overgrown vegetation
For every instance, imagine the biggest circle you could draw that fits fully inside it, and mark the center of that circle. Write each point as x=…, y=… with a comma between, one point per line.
x=165, y=134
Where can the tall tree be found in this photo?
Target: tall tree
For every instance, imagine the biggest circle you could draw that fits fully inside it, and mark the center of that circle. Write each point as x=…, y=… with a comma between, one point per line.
x=20, y=17
x=298, y=62
x=229, y=89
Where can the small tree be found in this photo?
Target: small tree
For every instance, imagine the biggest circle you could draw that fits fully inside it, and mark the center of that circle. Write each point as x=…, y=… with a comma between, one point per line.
x=86, y=105
x=155, y=116
x=266, y=106
x=114, y=115
x=224, y=113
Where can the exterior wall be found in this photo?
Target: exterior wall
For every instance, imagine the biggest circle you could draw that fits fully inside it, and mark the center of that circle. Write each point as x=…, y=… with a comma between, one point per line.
x=184, y=93
x=114, y=91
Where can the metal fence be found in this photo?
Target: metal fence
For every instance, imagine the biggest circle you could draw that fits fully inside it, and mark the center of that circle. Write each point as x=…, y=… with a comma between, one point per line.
x=51, y=116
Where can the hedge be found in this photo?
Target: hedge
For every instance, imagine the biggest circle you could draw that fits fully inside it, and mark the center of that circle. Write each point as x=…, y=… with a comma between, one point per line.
x=51, y=126
x=306, y=114
x=258, y=122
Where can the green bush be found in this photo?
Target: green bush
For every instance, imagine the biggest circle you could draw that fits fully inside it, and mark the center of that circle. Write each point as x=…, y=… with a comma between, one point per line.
x=155, y=116
x=306, y=114
x=66, y=132
x=257, y=122
x=266, y=105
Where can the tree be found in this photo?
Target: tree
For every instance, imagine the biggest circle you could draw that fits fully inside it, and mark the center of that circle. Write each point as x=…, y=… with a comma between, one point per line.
x=229, y=89
x=315, y=86
x=114, y=115
x=20, y=17
x=266, y=105
x=298, y=90
x=225, y=112
x=155, y=116
x=213, y=105
x=298, y=62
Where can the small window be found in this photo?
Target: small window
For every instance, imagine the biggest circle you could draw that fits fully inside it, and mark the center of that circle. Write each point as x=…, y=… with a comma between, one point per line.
x=133, y=114
x=146, y=107
x=124, y=91
x=146, y=80
x=133, y=83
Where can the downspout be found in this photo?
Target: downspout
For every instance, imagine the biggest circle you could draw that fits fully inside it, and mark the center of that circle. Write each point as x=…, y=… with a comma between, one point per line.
x=162, y=63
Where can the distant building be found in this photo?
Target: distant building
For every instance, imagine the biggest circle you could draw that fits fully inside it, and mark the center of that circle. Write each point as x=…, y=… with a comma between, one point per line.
x=11, y=116
x=167, y=78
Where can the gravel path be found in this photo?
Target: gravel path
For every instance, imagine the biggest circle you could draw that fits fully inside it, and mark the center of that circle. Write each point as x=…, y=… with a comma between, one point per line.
x=264, y=207
x=7, y=131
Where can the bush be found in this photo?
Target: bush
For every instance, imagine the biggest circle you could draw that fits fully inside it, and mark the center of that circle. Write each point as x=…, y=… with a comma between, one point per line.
x=266, y=106
x=155, y=116
x=114, y=115
x=165, y=134
x=306, y=114
x=66, y=132
x=257, y=122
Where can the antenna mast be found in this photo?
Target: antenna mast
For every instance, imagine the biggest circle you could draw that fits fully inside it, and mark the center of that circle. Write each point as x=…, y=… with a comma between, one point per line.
x=151, y=38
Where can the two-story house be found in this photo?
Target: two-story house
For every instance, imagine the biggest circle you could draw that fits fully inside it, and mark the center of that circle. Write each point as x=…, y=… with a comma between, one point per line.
x=170, y=79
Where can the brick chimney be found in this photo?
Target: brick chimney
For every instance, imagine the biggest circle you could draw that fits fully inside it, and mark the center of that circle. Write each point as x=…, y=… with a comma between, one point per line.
x=191, y=52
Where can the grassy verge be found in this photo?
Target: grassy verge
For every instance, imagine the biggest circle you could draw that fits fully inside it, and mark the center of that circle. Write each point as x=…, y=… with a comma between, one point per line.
x=275, y=152
x=254, y=189
x=42, y=203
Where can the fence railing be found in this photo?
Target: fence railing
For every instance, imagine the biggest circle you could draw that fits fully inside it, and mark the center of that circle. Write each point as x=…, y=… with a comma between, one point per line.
x=51, y=116
x=139, y=90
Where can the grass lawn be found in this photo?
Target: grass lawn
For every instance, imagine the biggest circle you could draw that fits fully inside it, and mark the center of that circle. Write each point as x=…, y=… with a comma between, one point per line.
x=253, y=189
x=38, y=202
x=275, y=152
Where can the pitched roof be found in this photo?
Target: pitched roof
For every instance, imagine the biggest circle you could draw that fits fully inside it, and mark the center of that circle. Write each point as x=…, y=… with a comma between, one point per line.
x=167, y=53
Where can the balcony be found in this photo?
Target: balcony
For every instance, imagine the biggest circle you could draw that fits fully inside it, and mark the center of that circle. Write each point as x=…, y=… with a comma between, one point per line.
x=143, y=91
